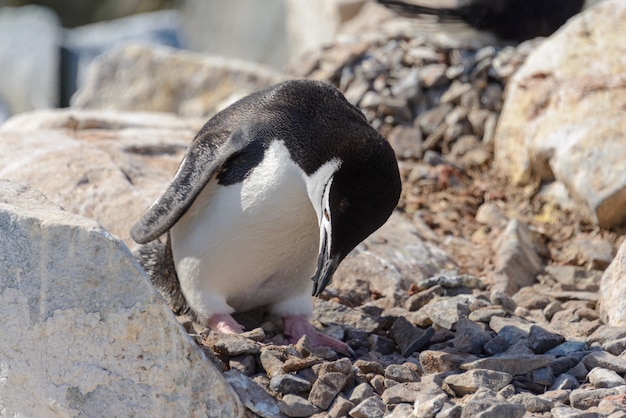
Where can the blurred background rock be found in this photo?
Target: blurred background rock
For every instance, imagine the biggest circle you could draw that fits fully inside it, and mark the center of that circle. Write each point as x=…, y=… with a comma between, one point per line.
x=46, y=46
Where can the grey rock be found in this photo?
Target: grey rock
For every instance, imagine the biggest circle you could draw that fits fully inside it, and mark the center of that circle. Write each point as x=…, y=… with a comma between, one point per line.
x=126, y=159
x=442, y=361
x=395, y=257
x=543, y=376
x=567, y=412
x=401, y=410
x=332, y=378
x=245, y=364
x=366, y=366
x=72, y=281
x=381, y=344
x=340, y=407
x=560, y=145
x=501, y=324
x=371, y=407
x=450, y=410
x=455, y=91
x=530, y=298
x=604, y=378
x=533, y=403
x=329, y=312
x=233, y=345
x=575, y=277
x=596, y=252
x=557, y=396
x=116, y=80
x=83, y=44
x=450, y=280
x=511, y=364
x=430, y=120
x=584, y=398
x=409, y=392
x=30, y=38
x=616, y=347
x=446, y=312
x=252, y=395
x=272, y=365
x=605, y=360
x=289, y=383
x=518, y=348
x=410, y=338
x=490, y=214
x=517, y=258
x=406, y=142
x=606, y=333
x=541, y=340
x=613, y=291
x=552, y=308
x=485, y=314
x=360, y=393
x=429, y=404
x=296, y=406
x=402, y=373
x=563, y=364
x=579, y=372
x=470, y=338
x=433, y=75
x=485, y=404
x=418, y=300
x=470, y=381
x=567, y=348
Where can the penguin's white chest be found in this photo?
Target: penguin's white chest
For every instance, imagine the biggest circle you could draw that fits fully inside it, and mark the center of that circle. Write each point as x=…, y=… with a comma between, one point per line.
x=249, y=244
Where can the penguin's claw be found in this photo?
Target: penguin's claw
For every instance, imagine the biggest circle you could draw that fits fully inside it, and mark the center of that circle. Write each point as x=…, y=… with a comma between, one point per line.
x=225, y=324
x=297, y=326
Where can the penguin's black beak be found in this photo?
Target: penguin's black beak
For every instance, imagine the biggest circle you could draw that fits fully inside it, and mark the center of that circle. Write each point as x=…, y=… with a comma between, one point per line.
x=326, y=267
x=326, y=264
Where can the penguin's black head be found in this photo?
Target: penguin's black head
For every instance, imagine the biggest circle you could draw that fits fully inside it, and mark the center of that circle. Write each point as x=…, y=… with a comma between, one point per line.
x=362, y=194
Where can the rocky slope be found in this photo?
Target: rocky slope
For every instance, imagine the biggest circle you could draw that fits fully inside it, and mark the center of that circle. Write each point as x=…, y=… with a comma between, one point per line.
x=476, y=299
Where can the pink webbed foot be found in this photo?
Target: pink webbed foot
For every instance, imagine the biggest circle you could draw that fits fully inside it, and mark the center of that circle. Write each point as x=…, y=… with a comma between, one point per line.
x=225, y=323
x=297, y=326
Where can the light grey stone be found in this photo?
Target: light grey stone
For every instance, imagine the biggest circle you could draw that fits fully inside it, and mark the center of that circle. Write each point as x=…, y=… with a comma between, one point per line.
x=83, y=44
x=604, y=378
x=371, y=407
x=470, y=381
x=613, y=291
x=517, y=259
x=511, y=364
x=82, y=325
x=93, y=163
x=296, y=406
x=252, y=395
x=577, y=139
x=198, y=85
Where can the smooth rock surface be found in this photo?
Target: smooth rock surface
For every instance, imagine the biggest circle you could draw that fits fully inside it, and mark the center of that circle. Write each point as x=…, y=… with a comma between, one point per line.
x=613, y=290
x=81, y=325
x=191, y=84
x=563, y=116
x=83, y=44
x=93, y=163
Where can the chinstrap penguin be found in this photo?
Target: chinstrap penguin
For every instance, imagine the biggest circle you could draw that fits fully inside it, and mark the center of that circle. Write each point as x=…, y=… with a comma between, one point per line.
x=273, y=192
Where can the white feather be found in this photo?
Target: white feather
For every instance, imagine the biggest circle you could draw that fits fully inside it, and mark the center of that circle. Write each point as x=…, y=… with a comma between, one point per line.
x=255, y=243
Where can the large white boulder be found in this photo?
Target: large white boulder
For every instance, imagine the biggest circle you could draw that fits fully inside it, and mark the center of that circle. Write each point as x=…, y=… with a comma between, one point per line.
x=83, y=331
x=563, y=117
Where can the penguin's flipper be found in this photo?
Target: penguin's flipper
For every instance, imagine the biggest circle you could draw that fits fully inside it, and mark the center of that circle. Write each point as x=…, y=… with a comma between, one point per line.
x=209, y=150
